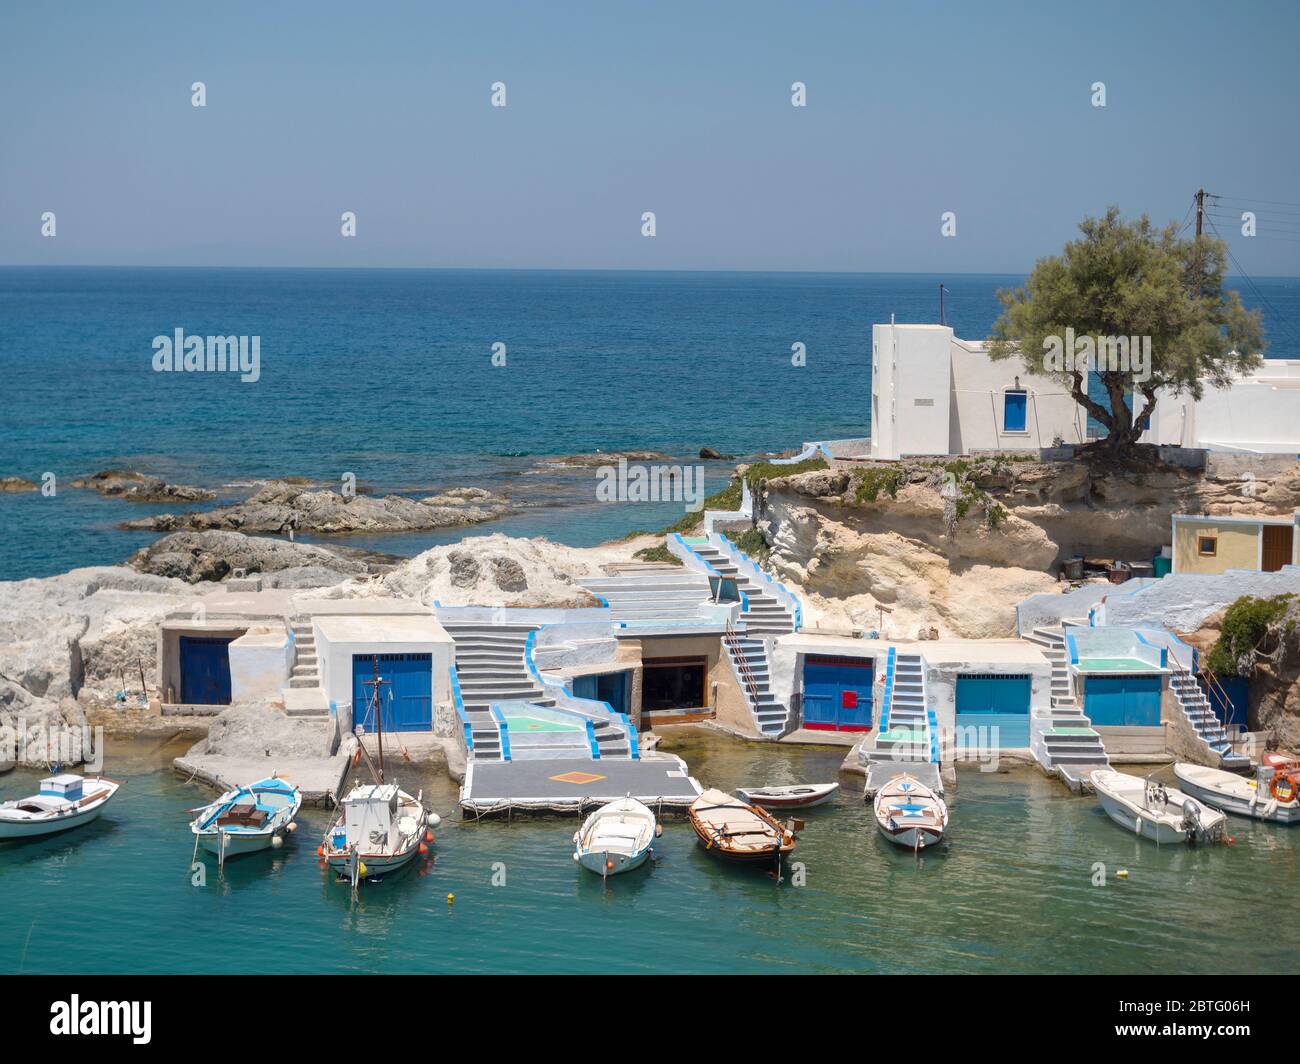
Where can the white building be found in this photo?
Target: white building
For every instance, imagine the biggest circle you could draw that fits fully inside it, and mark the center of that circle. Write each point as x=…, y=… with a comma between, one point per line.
x=935, y=394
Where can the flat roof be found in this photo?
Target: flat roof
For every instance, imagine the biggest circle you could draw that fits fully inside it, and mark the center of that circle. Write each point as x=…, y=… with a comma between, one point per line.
x=1234, y=519
x=1016, y=651
x=382, y=629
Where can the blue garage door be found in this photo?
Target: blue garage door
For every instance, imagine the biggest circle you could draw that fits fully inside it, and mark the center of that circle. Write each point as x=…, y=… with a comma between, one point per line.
x=1129, y=701
x=407, y=698
x=998, y=703
x=205, y=670
x=837, y=693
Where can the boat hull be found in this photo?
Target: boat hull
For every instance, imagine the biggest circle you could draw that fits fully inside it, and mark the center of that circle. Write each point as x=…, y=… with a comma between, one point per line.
x=1239, y=805
x=595, y=861
x=1133, y=820
x=776, y=800
x=10, y=829
x=237, y=845
x=911, y=838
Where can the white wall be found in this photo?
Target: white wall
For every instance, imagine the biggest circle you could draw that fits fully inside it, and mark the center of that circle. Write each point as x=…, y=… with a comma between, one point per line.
x=260, y=662
x=933, y=393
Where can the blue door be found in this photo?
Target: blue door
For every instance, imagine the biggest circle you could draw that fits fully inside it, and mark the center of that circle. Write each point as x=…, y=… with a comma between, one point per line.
x=406, y=697
x=837, y=693
x=998, y=703
x=609, y=687
x=1123, y=701
x=205, y=670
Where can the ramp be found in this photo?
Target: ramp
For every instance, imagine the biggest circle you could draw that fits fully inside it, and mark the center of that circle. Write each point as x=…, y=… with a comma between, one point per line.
x=662, y=782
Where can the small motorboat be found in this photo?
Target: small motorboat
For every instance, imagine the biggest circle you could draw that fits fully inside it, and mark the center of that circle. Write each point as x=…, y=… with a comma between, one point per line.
x=1271, y=795
x=1153, y=810
x=798, y=796
x=248, y=819
x=379, y=829
x=64, y=801
x=910, y=814
x=616, y=838
x=736, y=831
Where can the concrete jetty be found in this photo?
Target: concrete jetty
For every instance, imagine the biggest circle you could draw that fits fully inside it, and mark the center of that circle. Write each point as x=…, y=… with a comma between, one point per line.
x=661, y=781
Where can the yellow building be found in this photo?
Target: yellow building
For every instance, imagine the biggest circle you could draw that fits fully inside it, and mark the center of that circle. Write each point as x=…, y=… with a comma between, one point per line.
x=1215, y=544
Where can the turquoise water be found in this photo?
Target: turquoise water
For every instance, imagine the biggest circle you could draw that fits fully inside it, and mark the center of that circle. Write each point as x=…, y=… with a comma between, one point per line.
x=1011, y=893
x=387, y=374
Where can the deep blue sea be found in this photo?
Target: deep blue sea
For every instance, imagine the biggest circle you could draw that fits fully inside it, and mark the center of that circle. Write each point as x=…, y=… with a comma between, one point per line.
x=387, y=374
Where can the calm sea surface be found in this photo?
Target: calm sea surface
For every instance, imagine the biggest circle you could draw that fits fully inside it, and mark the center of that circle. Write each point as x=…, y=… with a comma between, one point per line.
x=1012, y=892
x=387, y=374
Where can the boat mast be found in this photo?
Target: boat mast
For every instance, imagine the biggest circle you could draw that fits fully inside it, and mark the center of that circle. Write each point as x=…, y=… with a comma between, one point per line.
x=375, y=701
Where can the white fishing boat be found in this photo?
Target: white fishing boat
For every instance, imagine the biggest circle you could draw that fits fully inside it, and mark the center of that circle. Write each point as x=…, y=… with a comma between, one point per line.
x=1270, y=796
x=910, y=814
x=796, y=796
x=616, y=838
x=248, y=819
x=380, y=827
x=63, y=802
x=1153, y=810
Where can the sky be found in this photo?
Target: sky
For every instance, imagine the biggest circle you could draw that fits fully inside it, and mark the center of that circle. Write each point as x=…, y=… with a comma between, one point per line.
x=619, y=107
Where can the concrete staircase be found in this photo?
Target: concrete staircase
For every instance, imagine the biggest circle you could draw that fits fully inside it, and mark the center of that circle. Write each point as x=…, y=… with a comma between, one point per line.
x=668, y=596
x=908, y=732
x=493, y=667
x=304, y=696
x=764, y=613
x=1201, y=716
x=1063, y=739
x=749, y=662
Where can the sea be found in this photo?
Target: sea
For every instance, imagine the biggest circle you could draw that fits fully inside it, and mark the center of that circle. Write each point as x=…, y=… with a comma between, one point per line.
x=389, y=375
x=1029, y=881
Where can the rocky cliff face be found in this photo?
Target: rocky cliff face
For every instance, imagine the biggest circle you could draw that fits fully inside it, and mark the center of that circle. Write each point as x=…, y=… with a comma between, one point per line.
x=956, y=546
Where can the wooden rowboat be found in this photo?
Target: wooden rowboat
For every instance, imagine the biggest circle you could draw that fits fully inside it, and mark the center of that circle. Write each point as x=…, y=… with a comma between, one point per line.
x=909, y=814
x=798, y=796
x=733, y=830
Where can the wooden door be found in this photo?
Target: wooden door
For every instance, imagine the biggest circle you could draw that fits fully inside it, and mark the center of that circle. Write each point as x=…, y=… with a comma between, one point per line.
x=1277, y=547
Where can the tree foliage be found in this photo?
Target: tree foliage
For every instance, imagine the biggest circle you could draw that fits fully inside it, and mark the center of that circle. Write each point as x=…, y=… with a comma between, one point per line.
x=1128, y=279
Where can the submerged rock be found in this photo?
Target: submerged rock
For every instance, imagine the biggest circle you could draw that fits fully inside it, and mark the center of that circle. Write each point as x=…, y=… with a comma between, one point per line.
x=215, y=555
x=596, y=459
x=709, y=454
x=280, y=508
x=139, y=487
x=17, y=484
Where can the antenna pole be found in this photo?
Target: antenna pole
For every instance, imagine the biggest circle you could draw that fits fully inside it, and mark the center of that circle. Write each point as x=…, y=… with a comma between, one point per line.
x=941, y=321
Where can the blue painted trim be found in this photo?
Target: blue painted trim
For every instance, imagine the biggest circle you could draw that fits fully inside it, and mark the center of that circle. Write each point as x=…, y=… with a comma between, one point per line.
x=932, y=725
x=460, y=709
x=591, y=740
x=888, y=697
x=730, y=548
x=1072, y=647
x=333, y=708
x=603, y=600
x=503, y=728
x=633, y=745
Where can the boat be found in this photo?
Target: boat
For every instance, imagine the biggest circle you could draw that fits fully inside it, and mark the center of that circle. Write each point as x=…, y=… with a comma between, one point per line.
x=248, y=819
x=616, y=838
x=798, y=796
x=910, y=814
x=739, y=832
x=1153, y=810
x=380, y=827
x=64, y=801
x=1270, y=796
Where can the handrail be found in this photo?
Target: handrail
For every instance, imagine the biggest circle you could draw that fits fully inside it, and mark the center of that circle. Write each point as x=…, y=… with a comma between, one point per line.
x=746, y=675
x=1212, y=685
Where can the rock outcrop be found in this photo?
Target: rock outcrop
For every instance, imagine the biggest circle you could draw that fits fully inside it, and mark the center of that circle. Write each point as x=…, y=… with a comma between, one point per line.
x=85, y=633
x=886, y=535
x=497, y=570
x=258, y=731
x=595, y=459
x=8, y=484
x=279, y=507
x=139, y=487
x=213, y=555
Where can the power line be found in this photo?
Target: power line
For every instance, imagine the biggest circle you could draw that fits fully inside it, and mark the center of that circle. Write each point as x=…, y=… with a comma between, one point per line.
x=1286, y=325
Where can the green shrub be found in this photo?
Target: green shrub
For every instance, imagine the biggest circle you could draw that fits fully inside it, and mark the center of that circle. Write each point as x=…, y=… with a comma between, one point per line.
x=751, y=541
x=657, y=554
x=1248, y=625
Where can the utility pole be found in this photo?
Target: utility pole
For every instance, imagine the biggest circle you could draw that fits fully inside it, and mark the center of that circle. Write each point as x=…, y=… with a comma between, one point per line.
x=1200, y=210
x=941, y=321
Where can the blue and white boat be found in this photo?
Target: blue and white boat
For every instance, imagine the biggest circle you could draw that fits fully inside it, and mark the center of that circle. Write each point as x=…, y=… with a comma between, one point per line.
x=65, y=801
x=248, y=819
x=910, y=814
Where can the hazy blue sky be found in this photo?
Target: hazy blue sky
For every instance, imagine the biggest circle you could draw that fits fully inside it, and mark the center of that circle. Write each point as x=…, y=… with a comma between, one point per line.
x=621, y=106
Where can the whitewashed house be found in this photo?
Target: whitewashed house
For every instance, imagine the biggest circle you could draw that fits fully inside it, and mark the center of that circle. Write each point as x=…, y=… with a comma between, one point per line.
x=935, y=394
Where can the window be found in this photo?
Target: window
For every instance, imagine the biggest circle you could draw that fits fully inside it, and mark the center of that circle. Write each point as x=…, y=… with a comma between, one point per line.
x=1015, y=403
x=1207, y=546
